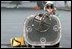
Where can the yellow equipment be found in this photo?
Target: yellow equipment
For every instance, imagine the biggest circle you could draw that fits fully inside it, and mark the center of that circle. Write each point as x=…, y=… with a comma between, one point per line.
x=17, y=41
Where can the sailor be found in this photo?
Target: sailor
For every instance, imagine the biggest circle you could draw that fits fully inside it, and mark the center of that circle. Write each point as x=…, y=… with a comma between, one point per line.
x=46, y=5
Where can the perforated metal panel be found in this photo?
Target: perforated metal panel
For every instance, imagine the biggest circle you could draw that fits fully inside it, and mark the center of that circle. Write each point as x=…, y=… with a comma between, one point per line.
x=48, y=33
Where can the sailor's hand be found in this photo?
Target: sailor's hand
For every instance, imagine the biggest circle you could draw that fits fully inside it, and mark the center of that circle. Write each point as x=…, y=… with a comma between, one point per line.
x=37, y=8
